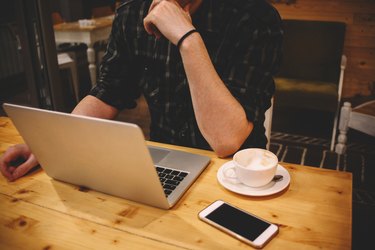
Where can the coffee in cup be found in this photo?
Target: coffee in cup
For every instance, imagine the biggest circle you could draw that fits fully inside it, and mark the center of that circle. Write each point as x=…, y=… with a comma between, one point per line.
x=254, y=167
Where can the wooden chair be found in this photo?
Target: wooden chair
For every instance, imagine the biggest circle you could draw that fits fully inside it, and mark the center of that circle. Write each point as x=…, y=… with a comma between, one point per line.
x=312, y=71
x=67, y=63
x=268, y=124
x=361, y=118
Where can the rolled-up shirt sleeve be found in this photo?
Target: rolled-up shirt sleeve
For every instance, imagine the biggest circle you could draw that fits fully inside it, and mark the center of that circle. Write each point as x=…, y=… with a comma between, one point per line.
x=116, y=83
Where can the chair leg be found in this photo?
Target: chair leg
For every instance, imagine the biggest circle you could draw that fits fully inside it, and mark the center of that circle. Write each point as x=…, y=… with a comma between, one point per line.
x=341, y=81
x=268, y=124
x=334, y=128
x=346, y=109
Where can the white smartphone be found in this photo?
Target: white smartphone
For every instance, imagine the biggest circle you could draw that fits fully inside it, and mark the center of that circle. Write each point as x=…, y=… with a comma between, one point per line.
x=239, y=223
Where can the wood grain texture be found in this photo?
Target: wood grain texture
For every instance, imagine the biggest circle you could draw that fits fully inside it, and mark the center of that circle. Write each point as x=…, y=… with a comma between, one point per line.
x=36, y=212
x=359, y=44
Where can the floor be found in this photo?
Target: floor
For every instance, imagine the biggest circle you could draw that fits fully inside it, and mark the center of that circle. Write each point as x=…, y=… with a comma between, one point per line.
x=304, y=138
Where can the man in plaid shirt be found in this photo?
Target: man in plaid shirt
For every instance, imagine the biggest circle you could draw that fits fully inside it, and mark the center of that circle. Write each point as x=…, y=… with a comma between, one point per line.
x=205, y=67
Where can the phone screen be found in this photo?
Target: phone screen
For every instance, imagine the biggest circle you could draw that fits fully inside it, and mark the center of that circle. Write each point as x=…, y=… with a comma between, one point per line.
x=238, y=221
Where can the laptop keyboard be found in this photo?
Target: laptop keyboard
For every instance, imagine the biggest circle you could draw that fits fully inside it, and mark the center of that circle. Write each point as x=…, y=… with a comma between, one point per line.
x=170, y=178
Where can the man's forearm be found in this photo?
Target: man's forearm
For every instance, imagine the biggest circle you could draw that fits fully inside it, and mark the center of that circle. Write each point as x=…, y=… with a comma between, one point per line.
x=92, y=106
x=221, y=119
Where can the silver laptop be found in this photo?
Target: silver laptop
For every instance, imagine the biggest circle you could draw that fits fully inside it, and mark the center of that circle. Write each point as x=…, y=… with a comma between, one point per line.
x=108, y=156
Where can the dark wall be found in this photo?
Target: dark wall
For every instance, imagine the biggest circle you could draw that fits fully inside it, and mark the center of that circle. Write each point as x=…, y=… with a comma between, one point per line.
x=72, y=10
x=7, y=12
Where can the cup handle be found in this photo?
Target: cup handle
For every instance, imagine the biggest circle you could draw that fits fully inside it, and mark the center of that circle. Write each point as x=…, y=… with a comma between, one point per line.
x=232, y=178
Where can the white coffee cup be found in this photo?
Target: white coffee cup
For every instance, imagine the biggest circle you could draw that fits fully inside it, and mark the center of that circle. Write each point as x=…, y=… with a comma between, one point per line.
x=254, y=167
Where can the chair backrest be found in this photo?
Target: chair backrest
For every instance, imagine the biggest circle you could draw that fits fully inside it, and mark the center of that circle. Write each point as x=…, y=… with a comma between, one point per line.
x=268, y=123
x=312, y=50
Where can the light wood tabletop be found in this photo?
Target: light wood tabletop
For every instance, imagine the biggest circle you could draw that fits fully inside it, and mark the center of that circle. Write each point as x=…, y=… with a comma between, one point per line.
x=37, y=212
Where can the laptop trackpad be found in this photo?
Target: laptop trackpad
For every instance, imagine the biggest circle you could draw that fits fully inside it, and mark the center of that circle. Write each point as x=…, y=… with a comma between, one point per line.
x=158, y=154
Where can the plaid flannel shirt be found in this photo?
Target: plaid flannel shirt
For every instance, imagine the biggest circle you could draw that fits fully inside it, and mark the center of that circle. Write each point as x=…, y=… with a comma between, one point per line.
x=243, y=38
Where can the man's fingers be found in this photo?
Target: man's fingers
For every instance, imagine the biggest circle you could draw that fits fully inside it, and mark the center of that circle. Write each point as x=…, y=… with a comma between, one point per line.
x=167, y=18
x=147, y=26
x=22, y=169
x=153, y=4
x=11, y=165
x=157, y=33
x=150, y=27
x=13, y=153
x=11, y=169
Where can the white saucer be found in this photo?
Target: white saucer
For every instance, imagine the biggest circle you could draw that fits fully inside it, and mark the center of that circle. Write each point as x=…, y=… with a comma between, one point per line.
x=271, y=188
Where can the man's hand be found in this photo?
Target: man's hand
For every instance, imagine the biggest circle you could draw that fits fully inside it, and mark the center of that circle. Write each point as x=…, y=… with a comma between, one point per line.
x=168, y=18
x=14, y=153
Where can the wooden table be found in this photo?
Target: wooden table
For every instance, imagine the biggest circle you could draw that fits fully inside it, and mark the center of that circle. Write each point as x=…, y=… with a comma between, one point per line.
x=72, y=32
x=37, y=212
